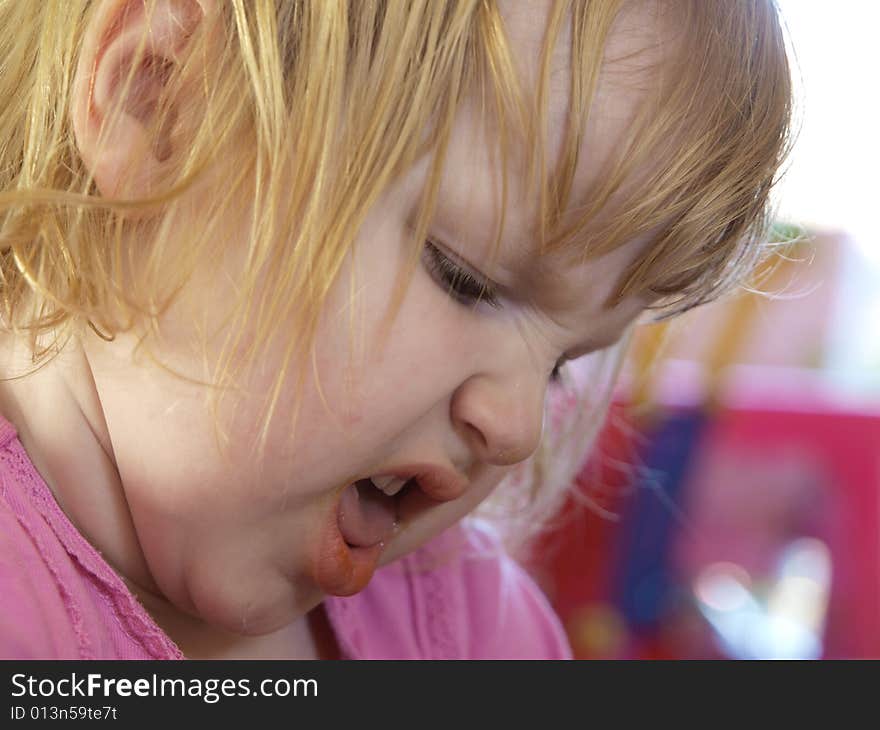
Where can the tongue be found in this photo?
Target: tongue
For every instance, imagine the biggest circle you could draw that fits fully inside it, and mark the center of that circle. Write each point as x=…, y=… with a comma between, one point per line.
x=366, y=516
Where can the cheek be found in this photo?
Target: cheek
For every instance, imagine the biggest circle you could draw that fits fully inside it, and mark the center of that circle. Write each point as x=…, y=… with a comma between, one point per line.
x=421, y=356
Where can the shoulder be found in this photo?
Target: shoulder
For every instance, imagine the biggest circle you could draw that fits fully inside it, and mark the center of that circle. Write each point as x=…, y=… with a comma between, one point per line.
x=35, y=622
x=461, y=596
x=32, y=607
x=59, y=598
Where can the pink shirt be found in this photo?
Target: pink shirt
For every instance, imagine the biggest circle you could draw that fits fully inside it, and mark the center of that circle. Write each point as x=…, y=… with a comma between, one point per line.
x=459, y=597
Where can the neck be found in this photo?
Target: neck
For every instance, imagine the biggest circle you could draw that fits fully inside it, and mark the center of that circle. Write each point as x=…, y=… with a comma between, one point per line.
x=309, y=637
x=57, y=413
x=60, y=422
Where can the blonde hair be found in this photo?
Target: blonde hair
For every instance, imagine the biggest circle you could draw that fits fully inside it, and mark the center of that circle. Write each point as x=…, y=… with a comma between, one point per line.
x=347, y=96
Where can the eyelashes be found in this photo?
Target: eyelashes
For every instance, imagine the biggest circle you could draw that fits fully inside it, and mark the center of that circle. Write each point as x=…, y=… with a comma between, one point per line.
x=462, y=285
x=468, y=289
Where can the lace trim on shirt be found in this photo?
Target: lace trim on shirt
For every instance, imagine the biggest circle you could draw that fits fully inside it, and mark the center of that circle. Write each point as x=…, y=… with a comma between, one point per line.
x=129, y=615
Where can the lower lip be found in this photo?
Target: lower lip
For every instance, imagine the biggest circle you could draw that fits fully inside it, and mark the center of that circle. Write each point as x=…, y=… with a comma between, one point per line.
x=341, y=569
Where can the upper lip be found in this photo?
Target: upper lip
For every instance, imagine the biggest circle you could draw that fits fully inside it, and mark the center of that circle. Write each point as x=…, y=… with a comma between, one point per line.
x=439, y=483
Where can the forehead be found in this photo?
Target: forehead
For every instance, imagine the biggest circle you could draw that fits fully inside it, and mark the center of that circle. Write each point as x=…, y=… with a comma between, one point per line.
x=470, y=201
x=632, y=53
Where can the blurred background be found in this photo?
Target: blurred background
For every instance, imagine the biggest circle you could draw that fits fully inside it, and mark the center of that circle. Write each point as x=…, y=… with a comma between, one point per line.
x=732, y=509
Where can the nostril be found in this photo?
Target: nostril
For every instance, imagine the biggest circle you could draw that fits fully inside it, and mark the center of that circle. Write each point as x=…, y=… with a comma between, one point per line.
x=477, y=439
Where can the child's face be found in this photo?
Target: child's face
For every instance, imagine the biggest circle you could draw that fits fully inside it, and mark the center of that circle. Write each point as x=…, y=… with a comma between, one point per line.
x=455, y=397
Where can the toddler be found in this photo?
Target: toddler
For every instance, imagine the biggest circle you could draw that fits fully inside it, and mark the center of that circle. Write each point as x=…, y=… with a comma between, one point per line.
x=288, y=289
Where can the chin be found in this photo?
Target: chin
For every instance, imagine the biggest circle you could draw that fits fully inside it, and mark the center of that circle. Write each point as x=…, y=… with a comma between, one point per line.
x=271, y=609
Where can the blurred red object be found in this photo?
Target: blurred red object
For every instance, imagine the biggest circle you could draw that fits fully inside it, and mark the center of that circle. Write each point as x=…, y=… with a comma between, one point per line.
x=775, y=460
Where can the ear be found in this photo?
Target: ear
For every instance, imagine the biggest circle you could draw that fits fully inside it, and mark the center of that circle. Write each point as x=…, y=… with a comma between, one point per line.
x=114, y=118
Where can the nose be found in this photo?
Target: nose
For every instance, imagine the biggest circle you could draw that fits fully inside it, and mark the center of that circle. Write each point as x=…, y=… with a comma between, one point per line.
x=500, y=419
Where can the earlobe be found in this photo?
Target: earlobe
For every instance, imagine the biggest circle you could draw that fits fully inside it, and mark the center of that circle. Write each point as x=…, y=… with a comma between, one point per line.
x=129, y=52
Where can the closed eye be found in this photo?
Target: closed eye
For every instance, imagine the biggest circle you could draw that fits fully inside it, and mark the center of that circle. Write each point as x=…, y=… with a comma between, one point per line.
x=469, y=288
x=463, y=285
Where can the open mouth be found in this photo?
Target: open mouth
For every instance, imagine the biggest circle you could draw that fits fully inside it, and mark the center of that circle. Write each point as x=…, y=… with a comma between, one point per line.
x=367, y=514
x=366, y=517
x=368, y=509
